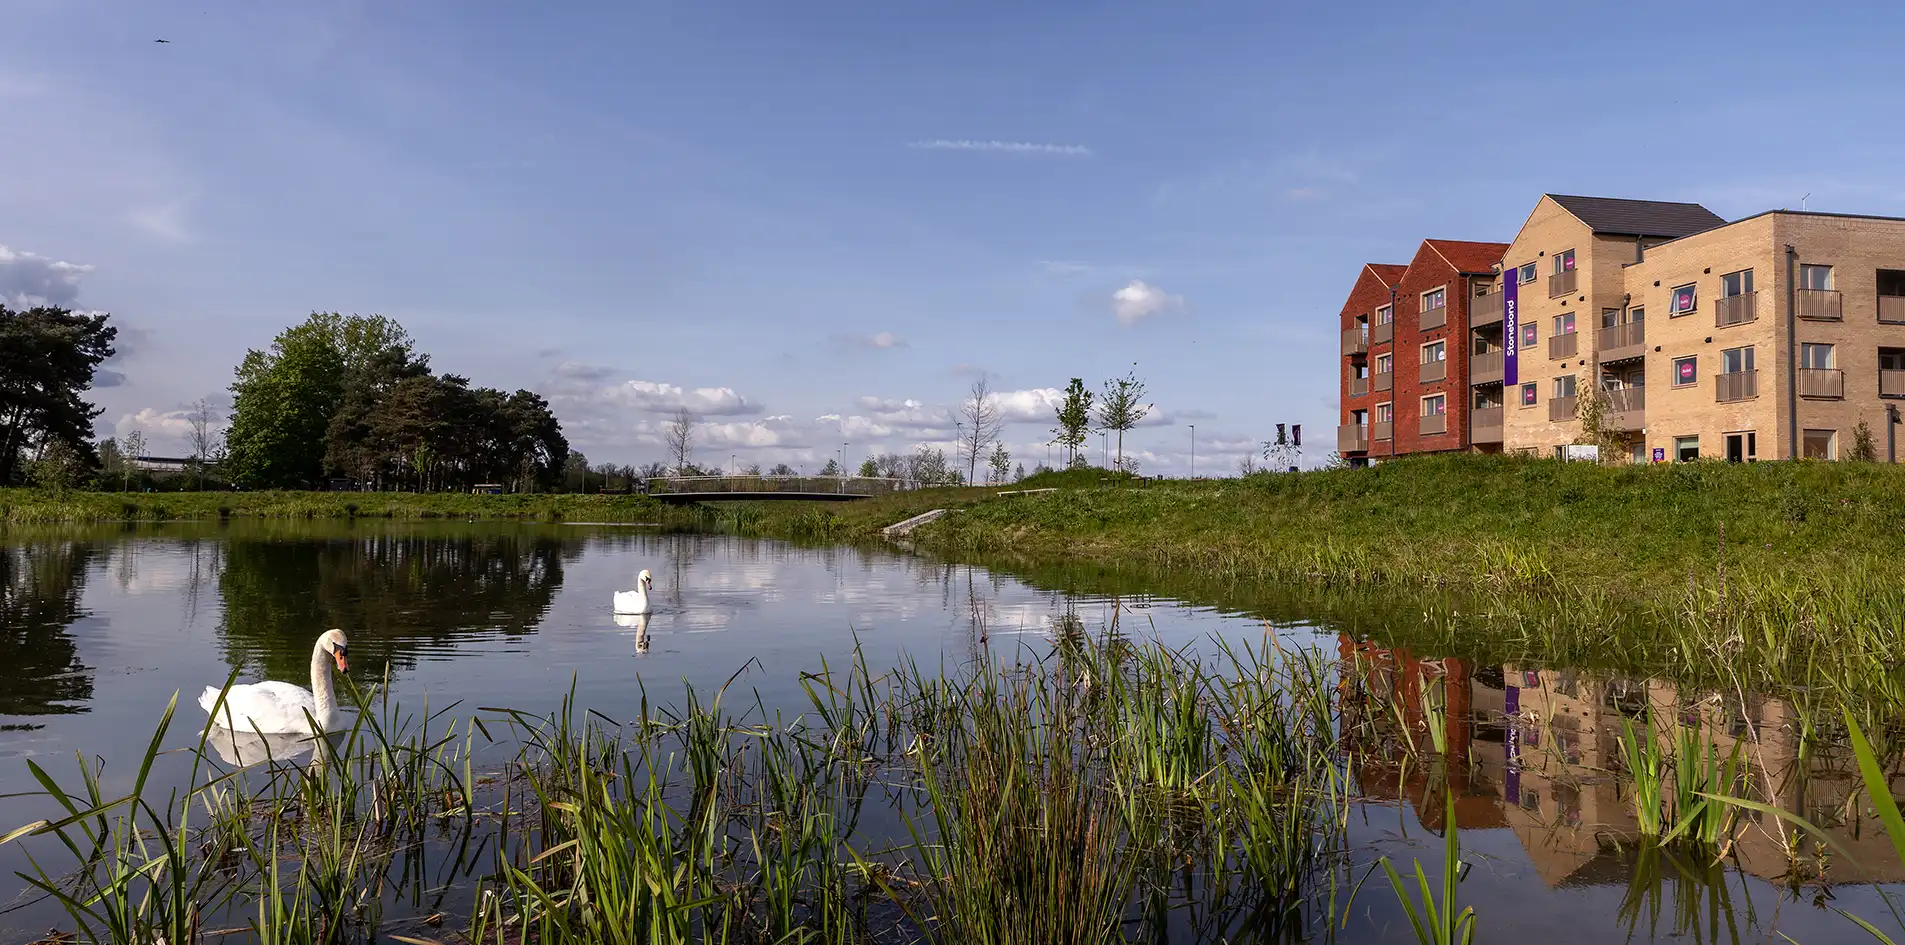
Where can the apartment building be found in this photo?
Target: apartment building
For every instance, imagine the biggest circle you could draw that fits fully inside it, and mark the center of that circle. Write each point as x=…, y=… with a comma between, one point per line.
x=1771, y=337
x=1410, y=322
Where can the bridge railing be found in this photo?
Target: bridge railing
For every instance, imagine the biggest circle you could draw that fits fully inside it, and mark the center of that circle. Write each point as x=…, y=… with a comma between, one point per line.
x=846, y=485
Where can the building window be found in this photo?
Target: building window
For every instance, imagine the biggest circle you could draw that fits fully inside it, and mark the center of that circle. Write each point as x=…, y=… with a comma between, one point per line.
x=1610, y=317
x=1528, y=394
x=1638, y=453
x=1435, y=405
x=1736, y=284
x=1385, y=413
x=1564, y=386
x=1815, y=277
x=1892, y=359
x=1742, y=447
x=1737, y=360
x=1487, y=398
x=1819, y=444
x=1564, y=323
x=1385, y=363
x=1527, y=335
x=1434, y=298
x=1815, y=357
x=1385, y=315
x=1682, y=301
x=1527, y=274
x=1686, y=449
x=1684, y=372
x=1636, y=314
x=1564, y=261
x=1435, y=351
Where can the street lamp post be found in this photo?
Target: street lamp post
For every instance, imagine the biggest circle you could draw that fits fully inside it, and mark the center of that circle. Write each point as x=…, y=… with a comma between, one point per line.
x=1193, y=451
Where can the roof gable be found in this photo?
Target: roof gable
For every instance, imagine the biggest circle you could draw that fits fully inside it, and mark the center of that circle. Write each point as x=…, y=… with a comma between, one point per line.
x=1469, y=257
x=1620, y=216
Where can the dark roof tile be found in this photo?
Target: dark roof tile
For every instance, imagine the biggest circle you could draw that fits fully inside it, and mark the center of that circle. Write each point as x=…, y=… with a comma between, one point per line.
x=1622, y=217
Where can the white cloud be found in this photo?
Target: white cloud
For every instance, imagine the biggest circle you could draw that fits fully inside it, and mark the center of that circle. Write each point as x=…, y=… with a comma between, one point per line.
x=878, y=341
x=656, y=397
x=1010, y=147
x=29, y=279
x=1140, y=300
x=1038, y=405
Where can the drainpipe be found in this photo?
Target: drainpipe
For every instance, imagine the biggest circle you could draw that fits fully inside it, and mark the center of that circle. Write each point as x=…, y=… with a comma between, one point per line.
x=1468, y=354
x=1392, y=371
x=1891, y=433
x=1792, y=352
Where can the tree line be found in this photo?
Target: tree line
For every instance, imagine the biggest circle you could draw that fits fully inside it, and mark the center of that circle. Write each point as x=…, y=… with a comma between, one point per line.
x=349, y=397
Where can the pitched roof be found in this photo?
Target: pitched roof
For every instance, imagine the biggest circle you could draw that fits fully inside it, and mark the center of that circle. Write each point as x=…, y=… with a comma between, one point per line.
x=1623, y=217
x=1469, y=257
x=1387, y=273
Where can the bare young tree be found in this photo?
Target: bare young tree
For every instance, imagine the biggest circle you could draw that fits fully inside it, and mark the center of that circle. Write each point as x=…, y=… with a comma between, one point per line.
x=1122, y=408
x=135, y=445
x=681, y=439
x=202, y=437
x=979, y=425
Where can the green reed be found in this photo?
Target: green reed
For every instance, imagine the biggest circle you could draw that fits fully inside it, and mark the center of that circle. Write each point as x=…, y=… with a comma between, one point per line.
x=1431, y=911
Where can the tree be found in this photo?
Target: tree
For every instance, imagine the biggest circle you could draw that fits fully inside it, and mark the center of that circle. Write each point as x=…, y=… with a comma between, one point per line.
x=831, y=469
x=1074, y=421
x=282, y=402
x=869, y=469
x=781, y=469
x=112, y=464
x=200, y=438
x=680, y=438
x=1122, y=408
x=47, y=359
x=1864, y=450
x=1018, y=474
x=1592, y=405
x=134, y=448
x=1001, y=462
x=981, y=423
x=1247, y=466
x=928, y=465
x=57, y=467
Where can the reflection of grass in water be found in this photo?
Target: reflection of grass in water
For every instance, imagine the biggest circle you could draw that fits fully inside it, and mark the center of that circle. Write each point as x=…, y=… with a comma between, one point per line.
x=1035, y=811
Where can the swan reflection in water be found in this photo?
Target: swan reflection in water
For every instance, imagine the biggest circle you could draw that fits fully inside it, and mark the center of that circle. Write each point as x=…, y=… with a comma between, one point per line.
x=245, y=749
x=640, y=624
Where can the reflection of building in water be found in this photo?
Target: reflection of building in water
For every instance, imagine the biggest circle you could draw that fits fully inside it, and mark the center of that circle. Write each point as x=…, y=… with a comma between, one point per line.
x=40, y=585
x=1537, y=751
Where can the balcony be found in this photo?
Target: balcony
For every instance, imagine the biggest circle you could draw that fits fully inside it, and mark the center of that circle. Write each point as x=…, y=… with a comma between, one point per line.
x=1561, y=408
x=1355, y=341
x=1433, y=423
x=1627, y=409
x=1485, y=310
x=1485, y=368
x=1562, y=283
x=1564, y=346
x=1891, y=383
x=1622, y=342
x=1433, y=318
x=1358, y=386
x=1892, y=309
x=1433, y=371
x=1822, y=383
x=1381, y=431
x=1821, y=305
x=1382, y=334
x=1734, y=310
x=1352, y=438
x=1384, y=379
x=1732, y=388
x=1485, y=425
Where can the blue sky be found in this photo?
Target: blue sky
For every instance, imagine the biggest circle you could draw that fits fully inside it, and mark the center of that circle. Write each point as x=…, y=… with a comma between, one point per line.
x=815, y=223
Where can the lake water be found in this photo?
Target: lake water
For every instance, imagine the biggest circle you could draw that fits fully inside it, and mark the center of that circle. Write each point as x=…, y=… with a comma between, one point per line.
x=99, y=629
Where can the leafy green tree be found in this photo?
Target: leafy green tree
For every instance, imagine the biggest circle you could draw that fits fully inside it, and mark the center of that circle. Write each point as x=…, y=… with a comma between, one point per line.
x=1074, y=420
x=869, y=468
x=282, y=403
x=1122, y=408
x=47, y=359
x=1001, y=462
x=1864, y=448
x=58, y=467
x=831, y=469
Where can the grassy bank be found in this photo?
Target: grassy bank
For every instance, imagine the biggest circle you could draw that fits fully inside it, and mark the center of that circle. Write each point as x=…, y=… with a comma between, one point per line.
x=38, y=507
x=1760, y=562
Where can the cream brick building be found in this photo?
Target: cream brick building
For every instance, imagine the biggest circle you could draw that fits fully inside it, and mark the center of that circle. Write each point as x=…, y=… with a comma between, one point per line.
x=1766, y=338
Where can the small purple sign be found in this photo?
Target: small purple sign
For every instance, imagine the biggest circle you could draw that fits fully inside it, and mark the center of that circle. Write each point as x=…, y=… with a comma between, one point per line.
x=1511, y=329
x=1511, y=718
x=1660, y=454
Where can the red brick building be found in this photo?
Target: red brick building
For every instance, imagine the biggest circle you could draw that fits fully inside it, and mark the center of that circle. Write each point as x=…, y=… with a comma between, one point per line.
x=1405, y=352
x=1366, y=341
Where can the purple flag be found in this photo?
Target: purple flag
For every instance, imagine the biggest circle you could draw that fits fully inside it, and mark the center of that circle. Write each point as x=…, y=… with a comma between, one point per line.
x=1511, y=329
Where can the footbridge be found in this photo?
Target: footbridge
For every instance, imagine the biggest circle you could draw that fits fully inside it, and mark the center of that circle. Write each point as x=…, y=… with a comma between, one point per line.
x=685, y=489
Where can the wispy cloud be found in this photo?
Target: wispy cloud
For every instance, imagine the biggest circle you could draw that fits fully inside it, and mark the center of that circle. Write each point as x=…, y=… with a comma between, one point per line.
x=1139, y=300
x=1008, y=147
x=28, y=279
x=878, y=341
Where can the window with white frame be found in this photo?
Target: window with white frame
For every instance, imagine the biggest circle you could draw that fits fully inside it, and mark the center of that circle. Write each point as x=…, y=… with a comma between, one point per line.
x=1528, y=395
x=1564, y=261
x=1818, y=278
x=1435, y=351
x=1735, y=284
x=1385, y=413
x=1564, y=386
x=1564, y=323
x=1525, y=274
x=1815, y=357
x=1737, y=360
x=1385, y=315
x=1682, y=300
x=1686, y=371
x=1435, y=405
x=1385, y=363
x=1434, y=298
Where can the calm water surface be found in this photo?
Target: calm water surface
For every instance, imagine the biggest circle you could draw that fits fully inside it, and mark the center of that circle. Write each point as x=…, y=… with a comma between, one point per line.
x=99, y=629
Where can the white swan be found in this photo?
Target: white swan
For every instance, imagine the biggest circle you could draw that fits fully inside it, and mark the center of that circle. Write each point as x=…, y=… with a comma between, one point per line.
x=635, y=601
x=278, y=708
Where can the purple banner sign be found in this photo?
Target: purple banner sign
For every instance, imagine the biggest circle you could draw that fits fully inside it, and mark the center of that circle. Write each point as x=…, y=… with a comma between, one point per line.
x=1511, y=328
x=1511, y=718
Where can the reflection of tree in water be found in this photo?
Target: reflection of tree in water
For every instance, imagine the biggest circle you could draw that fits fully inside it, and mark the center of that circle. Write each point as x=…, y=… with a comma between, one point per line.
x=40, y=585
x=396, y=595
